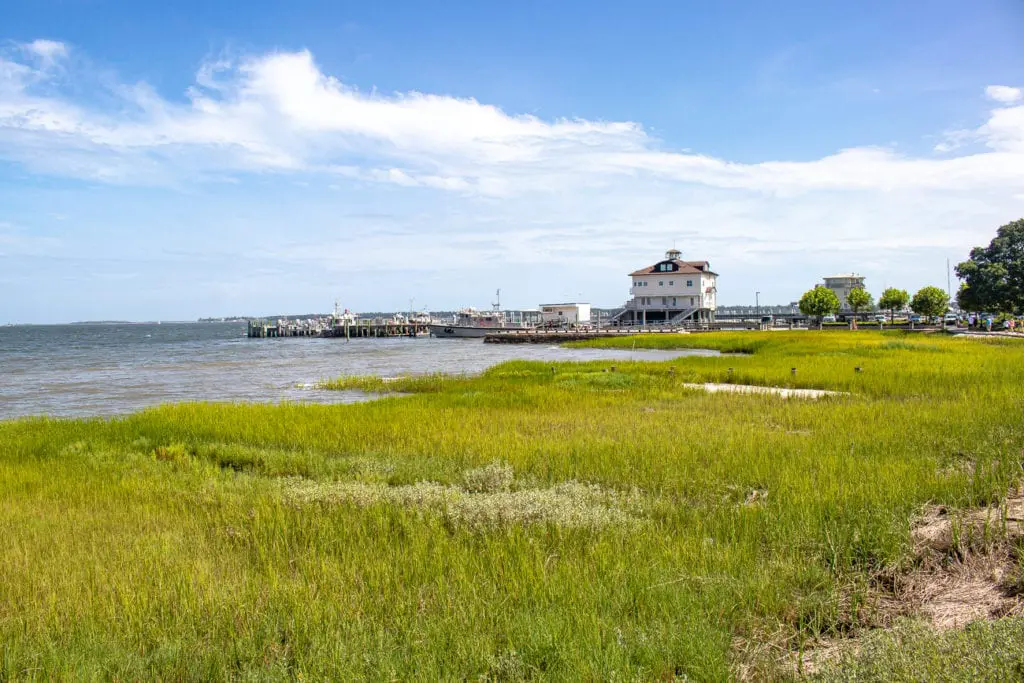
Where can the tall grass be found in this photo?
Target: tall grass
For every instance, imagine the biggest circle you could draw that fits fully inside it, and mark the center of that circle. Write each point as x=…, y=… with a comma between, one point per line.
x=204, y=541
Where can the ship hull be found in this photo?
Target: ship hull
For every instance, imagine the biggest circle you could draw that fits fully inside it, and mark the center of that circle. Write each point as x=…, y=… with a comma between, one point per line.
x=460, y=331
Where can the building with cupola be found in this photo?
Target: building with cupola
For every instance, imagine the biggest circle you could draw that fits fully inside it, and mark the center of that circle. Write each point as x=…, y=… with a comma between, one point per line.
x=671, y=291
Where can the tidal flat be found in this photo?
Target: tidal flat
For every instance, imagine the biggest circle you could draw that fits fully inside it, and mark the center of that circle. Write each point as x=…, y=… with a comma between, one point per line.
x=566, y=521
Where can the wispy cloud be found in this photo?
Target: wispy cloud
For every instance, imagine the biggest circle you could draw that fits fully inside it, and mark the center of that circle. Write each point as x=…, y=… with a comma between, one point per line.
x=280, y=113
x=469, y=183
x=1004, y=94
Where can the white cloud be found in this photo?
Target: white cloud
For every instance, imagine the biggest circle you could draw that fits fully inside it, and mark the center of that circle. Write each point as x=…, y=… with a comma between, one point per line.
x=1004, y=94
x=47, y=50
x=518, y=189
x=279, y=112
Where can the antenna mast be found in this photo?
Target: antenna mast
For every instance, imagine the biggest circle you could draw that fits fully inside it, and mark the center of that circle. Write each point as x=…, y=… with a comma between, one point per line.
x=949, y=286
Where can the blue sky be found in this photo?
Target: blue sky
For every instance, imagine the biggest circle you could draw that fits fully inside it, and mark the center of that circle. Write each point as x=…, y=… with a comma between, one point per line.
x=177, y=160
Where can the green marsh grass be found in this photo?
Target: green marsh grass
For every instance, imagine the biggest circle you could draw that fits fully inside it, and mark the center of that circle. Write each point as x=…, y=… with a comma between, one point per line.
x=383, y=540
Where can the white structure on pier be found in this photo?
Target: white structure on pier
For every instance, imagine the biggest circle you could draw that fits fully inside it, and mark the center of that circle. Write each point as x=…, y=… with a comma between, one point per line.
x=564, y=315
x=672, y=291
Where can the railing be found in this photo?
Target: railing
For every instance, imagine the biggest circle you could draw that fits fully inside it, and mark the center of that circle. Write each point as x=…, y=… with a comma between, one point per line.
x=684, y=315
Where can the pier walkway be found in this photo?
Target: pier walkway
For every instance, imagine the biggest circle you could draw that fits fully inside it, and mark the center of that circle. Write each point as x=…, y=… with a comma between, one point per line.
x=535, y=336
x=349, y=330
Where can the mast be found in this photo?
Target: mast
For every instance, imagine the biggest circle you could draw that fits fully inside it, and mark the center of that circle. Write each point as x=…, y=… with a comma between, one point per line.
x=949, y=285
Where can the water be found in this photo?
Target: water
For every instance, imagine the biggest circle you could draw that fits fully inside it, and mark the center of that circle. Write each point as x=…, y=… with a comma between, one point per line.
x=89, y=370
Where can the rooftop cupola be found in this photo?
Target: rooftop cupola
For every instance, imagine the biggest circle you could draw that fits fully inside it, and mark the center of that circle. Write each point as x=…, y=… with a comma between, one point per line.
x=673, y=254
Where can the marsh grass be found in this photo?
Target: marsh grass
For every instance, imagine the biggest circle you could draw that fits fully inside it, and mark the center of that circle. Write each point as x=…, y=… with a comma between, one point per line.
x=985, y=651
x=568, y=504
x=406, y=384
x=395, y=539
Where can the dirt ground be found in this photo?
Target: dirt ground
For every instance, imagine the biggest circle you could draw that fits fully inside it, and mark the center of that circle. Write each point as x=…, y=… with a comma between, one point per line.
x=965, y=568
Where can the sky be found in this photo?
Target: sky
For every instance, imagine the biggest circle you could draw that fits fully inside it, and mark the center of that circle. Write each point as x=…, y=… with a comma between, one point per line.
x=190, y=159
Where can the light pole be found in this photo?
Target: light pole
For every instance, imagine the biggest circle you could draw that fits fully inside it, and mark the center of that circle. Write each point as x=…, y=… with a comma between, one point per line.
x=757, y=303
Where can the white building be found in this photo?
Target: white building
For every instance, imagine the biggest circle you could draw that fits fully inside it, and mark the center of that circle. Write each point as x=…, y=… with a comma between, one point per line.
x=672, y=291
x=564, y=315
x=841, y=285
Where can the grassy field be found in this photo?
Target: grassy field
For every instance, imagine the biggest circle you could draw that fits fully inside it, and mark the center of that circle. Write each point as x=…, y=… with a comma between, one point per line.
x=591, y=521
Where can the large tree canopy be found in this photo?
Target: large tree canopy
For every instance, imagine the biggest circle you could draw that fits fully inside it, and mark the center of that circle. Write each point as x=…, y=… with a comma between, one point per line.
x=994, y=275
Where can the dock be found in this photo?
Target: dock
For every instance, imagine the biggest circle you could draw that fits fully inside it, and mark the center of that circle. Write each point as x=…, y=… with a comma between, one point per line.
x=540, y=336
x=357, y=329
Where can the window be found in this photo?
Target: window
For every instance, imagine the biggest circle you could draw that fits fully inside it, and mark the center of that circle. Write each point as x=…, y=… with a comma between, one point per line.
x=661, y=283
x=673, y=301
x=671, y=283
x=689, y=283
x=664, y=301
x=646, y=283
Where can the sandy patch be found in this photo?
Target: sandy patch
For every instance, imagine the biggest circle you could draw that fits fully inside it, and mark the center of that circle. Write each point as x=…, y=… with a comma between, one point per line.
x=965, y=569
x=782, y=392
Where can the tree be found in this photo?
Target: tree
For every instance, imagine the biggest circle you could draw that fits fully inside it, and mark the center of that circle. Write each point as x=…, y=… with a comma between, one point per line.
x=930, y=302
x=994, y=275
x=858, y=299
x=894, y=300
x=967, y=300
x=818, y=302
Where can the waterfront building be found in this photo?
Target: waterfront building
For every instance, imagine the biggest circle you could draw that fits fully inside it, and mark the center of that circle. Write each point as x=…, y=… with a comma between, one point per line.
x=672, y=291
x=564, y=315
x=841, y=285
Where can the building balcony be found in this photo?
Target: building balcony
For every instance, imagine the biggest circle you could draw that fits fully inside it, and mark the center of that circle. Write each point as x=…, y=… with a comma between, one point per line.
x=656, y=304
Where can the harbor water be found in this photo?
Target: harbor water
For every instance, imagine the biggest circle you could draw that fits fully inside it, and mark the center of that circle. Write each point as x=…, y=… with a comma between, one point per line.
x=109, y=369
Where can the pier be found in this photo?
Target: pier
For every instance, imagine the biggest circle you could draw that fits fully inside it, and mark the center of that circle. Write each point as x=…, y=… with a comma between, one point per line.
x=541, y=336
x=356, y=329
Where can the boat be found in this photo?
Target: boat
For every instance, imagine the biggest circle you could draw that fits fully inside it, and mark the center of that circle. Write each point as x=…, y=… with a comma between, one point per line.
x=421, y=318
x=469, y=323
x=341, y=319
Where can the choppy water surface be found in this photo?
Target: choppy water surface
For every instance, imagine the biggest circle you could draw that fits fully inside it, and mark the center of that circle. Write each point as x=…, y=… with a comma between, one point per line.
x=86, y=370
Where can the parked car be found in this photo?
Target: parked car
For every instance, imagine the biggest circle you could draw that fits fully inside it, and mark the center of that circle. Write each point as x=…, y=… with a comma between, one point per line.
x=828, y=318
x=916, y=319
x=950, y=319
x=880, y=318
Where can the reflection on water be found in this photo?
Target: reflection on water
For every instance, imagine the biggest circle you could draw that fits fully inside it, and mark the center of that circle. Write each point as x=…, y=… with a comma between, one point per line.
x=80, y=370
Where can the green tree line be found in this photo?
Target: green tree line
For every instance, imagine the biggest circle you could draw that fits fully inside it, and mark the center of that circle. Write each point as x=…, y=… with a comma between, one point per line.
x=993, y=281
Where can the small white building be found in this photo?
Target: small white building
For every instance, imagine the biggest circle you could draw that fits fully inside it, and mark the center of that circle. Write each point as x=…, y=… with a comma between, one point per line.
x=672, y=291
x=564, y=315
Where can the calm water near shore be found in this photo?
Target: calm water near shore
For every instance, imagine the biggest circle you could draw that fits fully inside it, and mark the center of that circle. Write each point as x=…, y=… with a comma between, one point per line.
x=88, y=370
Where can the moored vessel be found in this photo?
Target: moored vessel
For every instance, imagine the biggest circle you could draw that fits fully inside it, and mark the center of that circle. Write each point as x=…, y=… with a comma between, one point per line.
x=469, y=323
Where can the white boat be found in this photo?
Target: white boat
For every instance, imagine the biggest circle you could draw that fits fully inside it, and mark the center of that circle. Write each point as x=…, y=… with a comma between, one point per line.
x=341, y=319
x=422, y=318
x=471, y=323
